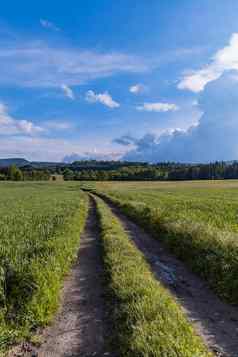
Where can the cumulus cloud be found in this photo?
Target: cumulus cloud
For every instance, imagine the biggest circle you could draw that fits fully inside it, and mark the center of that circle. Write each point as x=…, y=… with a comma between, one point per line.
x=223, y=60
x=92, y=156
x=68, y=92
x=213, y=138
x=103, y=98
x=12, y=126
x=49, y=25
x=40, y=64
x=137, y=88
x=157, y=107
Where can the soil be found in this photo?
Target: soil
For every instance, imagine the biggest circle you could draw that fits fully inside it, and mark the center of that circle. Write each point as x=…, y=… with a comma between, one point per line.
x=214, y=320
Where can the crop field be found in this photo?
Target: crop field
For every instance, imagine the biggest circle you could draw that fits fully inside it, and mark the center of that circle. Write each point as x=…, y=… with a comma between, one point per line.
x=140, y=313
x=40, y=225
x=214, y=203
x=198, y=221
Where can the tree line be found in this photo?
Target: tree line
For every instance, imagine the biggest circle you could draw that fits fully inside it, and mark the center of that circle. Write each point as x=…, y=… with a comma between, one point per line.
x=155, y=172
x=14, y=173
x=114, y=170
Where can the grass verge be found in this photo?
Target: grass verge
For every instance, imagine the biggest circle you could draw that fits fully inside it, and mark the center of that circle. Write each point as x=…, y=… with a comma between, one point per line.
x=147, y=322
x=38, y=246
x=207, y=251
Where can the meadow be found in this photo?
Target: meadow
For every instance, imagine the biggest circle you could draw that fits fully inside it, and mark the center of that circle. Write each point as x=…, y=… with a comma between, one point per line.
x=197, y=220
x=40, y=225
x=214, y=203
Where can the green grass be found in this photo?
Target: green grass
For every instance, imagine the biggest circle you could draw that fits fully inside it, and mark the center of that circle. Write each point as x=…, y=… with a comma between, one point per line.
x=40, y=229
x=214, y=203
x=147, y=320
x=197, y=220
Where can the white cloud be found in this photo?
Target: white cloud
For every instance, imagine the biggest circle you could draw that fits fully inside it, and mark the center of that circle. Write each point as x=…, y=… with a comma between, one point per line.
x=103, y=98
x=68, y=91
x=12, y=126
x=137, y=88
x=158, y=107
x=49, y=25
x=212, y=138
x=197, y=81
x=38, y=64
x=224, y=59
x=48, y=149
x=58, y=125
x=92, y=155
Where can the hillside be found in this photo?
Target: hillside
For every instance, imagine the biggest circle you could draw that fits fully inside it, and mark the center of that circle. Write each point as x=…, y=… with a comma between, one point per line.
x=14, y=161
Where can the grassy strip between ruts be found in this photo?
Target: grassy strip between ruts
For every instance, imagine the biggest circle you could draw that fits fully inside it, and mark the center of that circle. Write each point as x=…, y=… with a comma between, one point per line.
x=30, y=285
x=211, y=253
x=147, y=322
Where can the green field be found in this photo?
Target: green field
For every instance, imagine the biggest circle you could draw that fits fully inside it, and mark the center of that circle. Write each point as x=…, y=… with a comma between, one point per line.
x=214, y=203
x=198, y=221
x=40, y=228
x=40, y=225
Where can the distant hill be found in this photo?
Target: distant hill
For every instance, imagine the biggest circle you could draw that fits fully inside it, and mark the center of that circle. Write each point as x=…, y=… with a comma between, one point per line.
x=14, y=161
x=76, y=165
x=20, y=162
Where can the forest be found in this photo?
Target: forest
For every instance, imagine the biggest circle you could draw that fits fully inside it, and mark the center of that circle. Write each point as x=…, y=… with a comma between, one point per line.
x=121, y=171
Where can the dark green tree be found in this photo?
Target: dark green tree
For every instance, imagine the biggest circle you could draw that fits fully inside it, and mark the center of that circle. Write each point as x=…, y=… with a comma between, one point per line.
x=68, y=175
x=14, y=173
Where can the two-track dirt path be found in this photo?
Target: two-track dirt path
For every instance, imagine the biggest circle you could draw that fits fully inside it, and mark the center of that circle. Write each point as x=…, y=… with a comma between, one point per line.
x=79, y=328
x=214, y=320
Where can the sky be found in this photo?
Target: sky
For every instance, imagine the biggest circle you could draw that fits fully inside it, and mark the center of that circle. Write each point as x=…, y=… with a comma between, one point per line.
x=132, y=80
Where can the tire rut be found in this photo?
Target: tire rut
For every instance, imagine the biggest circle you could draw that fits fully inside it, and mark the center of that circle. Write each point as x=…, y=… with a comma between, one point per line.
x=215, y=321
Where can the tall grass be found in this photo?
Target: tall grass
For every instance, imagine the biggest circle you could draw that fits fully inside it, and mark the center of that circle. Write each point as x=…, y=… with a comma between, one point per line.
x=210, y=252
x=213, y=203
x=40, y=227
x=147, y=320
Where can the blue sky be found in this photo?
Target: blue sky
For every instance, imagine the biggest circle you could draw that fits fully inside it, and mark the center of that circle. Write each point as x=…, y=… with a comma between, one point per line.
x=139, y=80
